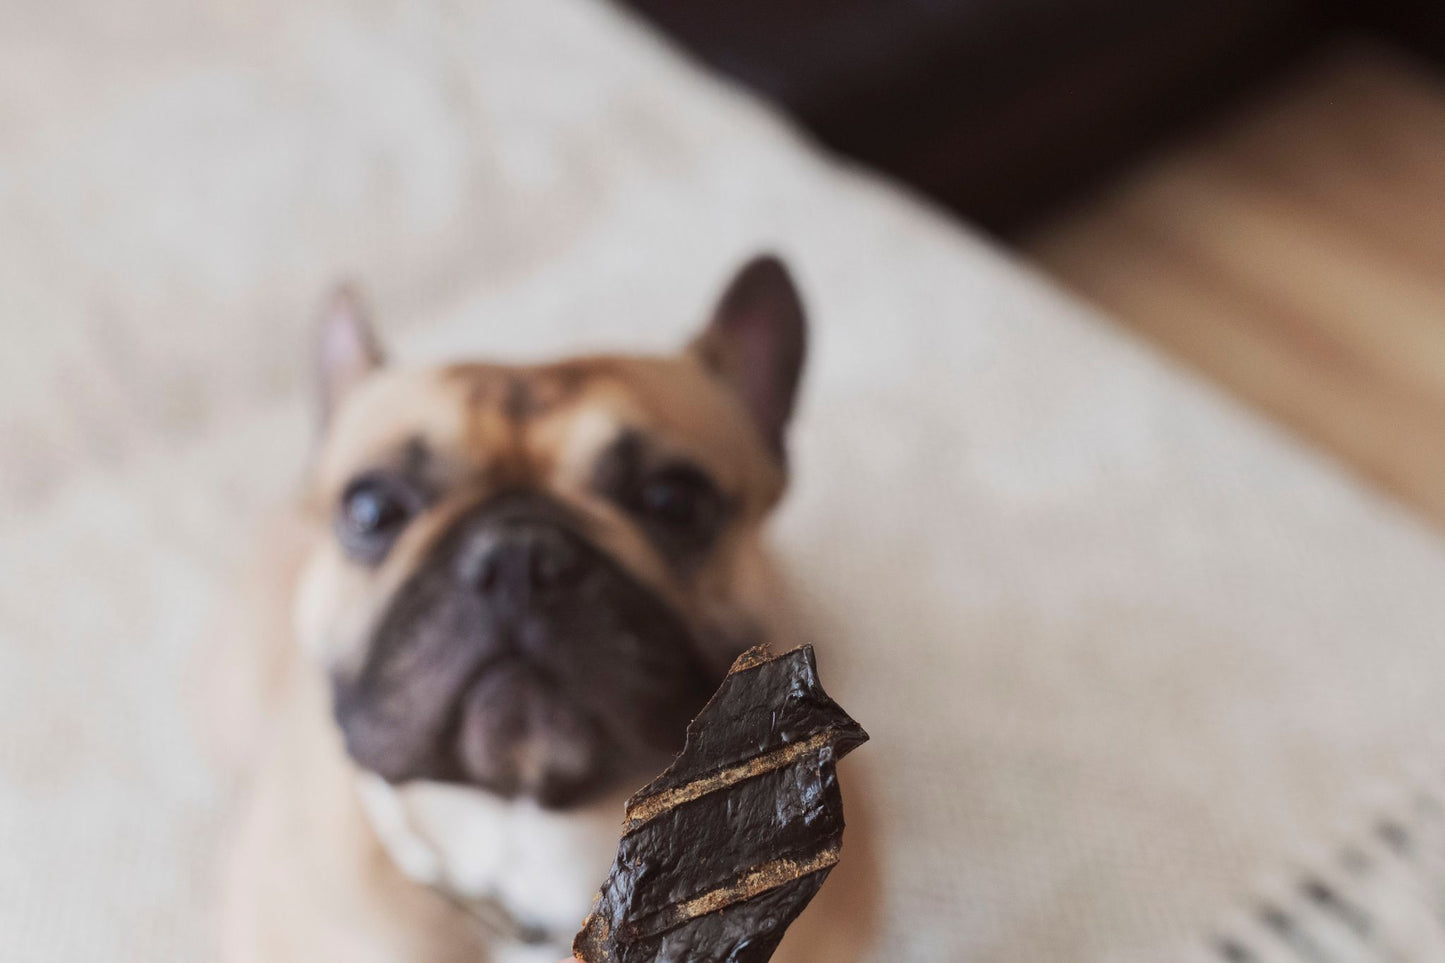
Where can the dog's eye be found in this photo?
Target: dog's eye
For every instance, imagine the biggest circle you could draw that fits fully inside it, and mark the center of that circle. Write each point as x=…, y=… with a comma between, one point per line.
x=671, y=500
x=373, y=511
x=682, y=500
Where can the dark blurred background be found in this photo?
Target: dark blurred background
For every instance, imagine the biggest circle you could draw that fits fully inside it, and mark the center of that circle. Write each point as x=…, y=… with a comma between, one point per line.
x=1004, y=110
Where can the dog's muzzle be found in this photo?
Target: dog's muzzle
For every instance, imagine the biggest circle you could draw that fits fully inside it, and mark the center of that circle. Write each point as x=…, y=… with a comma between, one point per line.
x=521, y=658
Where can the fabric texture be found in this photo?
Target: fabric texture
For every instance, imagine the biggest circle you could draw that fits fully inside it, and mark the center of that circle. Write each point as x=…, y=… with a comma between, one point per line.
x=1126, y=653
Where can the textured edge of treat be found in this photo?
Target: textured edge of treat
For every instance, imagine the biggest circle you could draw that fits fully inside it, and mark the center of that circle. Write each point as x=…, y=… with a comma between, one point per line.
x=651, y=802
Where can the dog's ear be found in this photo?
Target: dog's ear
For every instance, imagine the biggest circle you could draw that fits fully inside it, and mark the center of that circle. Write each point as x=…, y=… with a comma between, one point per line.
x=346, y=349
x=756, y=342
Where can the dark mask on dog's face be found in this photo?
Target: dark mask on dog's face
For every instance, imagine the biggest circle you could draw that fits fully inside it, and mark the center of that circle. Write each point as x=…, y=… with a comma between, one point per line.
x=529, y=579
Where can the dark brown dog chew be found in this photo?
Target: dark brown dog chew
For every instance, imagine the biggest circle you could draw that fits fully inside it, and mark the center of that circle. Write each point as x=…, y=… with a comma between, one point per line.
x=724, y=849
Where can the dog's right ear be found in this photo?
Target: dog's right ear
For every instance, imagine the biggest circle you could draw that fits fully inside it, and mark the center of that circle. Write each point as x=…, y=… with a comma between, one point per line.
x=346, y=350
x=756, y=343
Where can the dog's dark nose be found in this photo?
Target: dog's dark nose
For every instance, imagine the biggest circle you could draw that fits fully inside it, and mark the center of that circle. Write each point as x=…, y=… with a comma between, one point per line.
x=523, y=562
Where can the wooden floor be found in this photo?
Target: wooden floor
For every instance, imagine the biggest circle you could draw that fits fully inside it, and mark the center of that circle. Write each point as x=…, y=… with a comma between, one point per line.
x=1296, y=255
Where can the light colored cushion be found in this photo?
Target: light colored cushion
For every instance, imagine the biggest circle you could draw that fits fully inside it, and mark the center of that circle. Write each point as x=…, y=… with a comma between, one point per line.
x=1124, y=651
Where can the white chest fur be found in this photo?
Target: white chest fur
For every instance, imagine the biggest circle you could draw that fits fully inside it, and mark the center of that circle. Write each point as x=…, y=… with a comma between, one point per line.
x=543, y=867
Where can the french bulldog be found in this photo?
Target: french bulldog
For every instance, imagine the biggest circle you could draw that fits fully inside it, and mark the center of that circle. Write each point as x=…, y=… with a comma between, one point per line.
x=504, y=592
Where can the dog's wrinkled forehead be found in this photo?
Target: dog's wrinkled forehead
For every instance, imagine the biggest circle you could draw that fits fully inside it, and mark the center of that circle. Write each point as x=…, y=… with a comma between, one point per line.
x=550, y=427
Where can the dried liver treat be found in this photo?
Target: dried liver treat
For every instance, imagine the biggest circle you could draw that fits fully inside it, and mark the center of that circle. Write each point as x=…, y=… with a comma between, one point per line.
x=724, y=849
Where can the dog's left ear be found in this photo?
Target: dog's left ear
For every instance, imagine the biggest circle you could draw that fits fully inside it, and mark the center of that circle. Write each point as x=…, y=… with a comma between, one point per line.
x=346, y=349
x=756, y=343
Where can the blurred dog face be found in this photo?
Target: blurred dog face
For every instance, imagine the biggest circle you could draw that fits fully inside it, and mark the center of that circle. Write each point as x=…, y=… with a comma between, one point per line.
x=529, y=579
